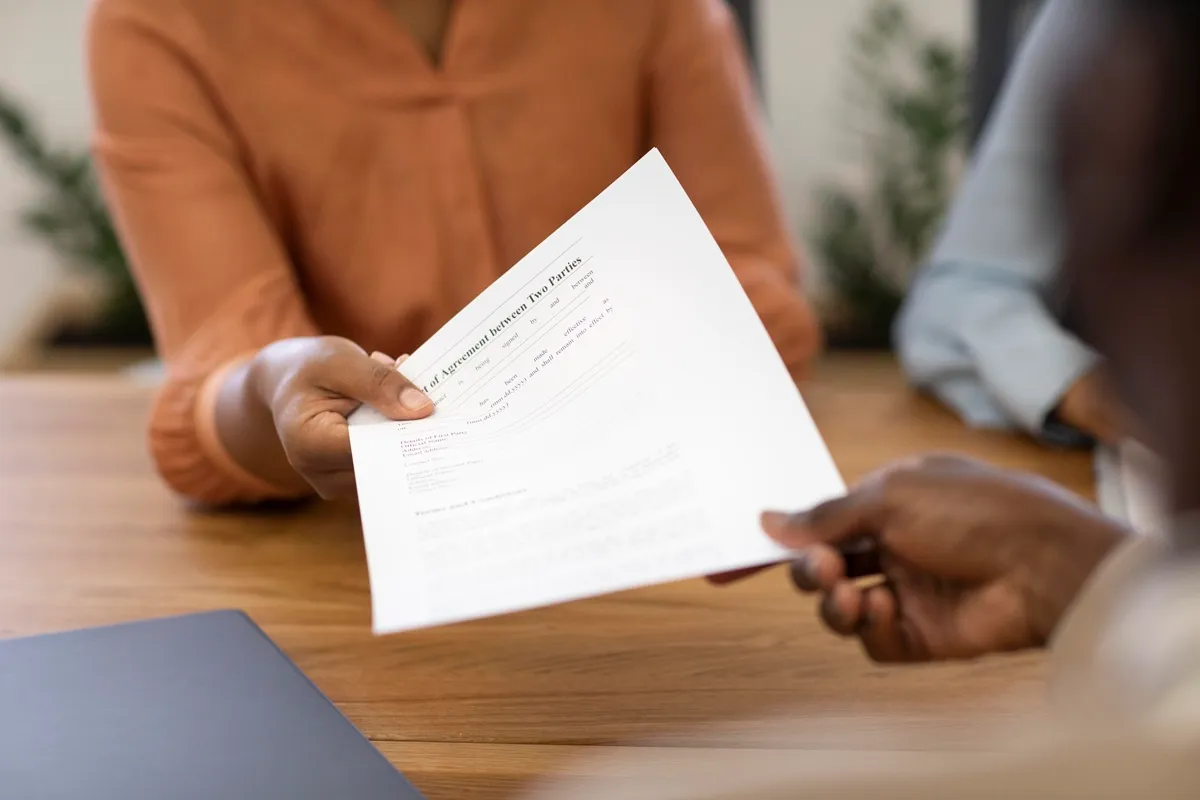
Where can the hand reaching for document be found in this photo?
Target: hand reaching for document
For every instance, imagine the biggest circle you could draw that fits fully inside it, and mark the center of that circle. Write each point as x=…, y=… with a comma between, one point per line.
x=974, y=560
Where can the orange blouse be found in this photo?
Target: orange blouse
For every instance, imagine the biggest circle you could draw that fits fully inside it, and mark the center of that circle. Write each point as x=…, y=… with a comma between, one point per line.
x=281, y=169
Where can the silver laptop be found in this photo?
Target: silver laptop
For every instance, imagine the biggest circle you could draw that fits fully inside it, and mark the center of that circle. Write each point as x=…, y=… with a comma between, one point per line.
x=200, y=706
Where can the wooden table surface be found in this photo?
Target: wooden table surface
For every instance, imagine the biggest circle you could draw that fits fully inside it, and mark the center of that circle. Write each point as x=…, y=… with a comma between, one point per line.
x=88, y=536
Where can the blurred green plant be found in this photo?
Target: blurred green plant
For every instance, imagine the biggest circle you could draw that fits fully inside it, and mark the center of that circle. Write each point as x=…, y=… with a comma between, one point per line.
x=911, y=88
x=72, y=218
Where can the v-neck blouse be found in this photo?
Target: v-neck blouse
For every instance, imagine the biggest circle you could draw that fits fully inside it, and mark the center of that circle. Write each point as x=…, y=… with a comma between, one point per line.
x=281, y=169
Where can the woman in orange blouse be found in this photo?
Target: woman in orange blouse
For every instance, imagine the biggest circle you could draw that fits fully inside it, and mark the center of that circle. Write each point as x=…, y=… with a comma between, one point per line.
x=299, y=184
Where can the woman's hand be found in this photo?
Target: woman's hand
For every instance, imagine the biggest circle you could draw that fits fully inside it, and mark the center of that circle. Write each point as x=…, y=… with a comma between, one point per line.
x=305, y=389
x=974, y=560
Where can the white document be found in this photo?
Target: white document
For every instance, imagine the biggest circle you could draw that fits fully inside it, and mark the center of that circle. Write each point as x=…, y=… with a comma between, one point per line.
x=609, y=414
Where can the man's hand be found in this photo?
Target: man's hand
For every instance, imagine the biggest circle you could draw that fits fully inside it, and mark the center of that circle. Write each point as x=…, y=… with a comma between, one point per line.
x=1090, y=405
x=974, y=560
x=310, y=386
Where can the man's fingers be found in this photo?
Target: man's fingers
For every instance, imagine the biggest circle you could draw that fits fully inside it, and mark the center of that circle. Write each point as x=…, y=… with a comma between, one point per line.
x=369, y=380
x=842, y=608
x=817, y=569
x=881, y=633
x=830, y=522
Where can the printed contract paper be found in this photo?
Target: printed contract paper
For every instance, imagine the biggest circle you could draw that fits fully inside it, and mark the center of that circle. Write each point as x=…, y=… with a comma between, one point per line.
x=609, y=414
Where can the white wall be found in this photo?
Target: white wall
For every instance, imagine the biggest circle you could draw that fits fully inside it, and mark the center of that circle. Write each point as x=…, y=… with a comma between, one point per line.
x=804, y=55
x=804, y=52
x=41, y=61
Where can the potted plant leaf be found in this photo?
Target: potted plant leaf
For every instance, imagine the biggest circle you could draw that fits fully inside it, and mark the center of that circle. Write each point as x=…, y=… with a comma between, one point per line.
x=911, y=91
x=71, y=217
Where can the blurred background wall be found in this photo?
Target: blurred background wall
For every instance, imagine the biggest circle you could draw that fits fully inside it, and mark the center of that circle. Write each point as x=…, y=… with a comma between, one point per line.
x=802, y=50
x=804, y=53
x=41, y=64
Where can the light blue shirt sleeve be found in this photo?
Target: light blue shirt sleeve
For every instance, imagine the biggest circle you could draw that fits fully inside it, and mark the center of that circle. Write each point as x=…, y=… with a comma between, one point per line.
x=977, y=328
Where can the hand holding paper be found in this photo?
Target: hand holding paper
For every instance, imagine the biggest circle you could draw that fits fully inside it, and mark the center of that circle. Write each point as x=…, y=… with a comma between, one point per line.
x=609, y=414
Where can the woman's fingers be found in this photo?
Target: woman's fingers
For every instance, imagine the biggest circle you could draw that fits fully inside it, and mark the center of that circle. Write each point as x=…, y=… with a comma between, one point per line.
x=368, y=379
x=383, y=358
x=334, y=485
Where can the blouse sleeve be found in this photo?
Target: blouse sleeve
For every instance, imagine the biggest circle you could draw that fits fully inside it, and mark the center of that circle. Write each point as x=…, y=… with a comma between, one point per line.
x=706, y=123
x=213, y=274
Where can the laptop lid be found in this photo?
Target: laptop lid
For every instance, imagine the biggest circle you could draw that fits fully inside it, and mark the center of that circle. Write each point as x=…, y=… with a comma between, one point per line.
x=199, y=706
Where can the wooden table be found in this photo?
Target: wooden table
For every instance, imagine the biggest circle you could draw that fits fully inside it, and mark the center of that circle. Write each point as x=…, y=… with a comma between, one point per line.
x=88, y=536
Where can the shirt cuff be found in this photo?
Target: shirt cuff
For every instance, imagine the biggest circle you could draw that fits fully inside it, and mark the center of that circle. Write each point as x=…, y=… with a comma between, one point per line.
x=1031, y=379
x=986, y=343
x=209, y=439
